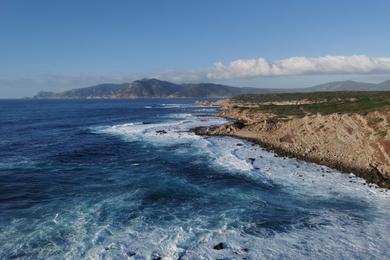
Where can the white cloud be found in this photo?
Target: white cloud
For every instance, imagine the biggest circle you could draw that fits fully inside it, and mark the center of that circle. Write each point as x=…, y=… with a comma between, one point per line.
x=250, y=72
x=355, y=64
x=181, y=76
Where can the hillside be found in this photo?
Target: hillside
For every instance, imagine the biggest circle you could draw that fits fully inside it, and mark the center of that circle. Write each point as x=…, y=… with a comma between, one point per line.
x=151, y=88
x=301, y=104
x=154, y=88
x=98, y=91
x=347, y=85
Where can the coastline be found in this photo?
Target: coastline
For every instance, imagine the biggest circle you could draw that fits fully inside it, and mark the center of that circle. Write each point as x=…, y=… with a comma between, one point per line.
x=356, y=159
x=372, y=177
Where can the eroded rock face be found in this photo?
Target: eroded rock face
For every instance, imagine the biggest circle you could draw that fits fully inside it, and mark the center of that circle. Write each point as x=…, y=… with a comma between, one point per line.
x=350, y=142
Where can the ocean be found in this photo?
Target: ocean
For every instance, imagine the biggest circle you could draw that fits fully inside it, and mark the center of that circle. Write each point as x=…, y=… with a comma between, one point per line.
x=126, y=179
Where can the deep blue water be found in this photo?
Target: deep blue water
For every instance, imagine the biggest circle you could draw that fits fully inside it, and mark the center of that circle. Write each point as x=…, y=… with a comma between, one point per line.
x=93, y=179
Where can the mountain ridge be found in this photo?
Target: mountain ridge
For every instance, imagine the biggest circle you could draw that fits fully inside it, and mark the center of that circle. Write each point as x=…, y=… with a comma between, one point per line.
x=154, y=88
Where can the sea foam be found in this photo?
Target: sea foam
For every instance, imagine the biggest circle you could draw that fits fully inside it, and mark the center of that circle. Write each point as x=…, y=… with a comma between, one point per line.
x=325, y=232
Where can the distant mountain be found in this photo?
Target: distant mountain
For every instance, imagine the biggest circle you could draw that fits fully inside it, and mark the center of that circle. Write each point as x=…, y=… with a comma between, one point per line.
x=347, y=85
x=151, y=88
x=385, y=85
x=98, y=91
x=154, y=88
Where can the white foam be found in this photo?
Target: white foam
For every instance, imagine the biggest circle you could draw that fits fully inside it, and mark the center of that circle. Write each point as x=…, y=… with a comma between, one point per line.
x=180, y=116
x=165, y=133
x=205, y=110
x=182, y=105
x=341, y=238
x=172, y=105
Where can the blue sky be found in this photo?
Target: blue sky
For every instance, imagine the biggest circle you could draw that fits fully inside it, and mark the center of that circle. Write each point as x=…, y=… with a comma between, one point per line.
x=57, y=45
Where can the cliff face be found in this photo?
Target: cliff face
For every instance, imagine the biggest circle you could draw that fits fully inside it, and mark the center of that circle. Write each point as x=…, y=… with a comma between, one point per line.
x=351, y=142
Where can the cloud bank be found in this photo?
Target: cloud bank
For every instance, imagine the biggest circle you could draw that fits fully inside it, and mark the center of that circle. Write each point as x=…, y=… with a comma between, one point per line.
x=355, y=64
x=248, y=72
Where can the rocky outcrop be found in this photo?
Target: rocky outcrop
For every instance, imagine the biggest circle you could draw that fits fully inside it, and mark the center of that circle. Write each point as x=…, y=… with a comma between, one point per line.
x=350, y=142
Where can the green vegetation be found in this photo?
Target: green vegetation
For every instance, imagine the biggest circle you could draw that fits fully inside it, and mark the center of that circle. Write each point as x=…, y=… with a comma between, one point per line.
x=317, y=102
x=373, y=121
x=382, y=134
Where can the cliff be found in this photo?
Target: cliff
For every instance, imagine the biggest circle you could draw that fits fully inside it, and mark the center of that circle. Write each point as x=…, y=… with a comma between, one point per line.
x=357, y=142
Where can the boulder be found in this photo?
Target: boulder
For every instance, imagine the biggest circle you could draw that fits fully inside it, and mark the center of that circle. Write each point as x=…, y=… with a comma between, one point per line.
x=219, y=246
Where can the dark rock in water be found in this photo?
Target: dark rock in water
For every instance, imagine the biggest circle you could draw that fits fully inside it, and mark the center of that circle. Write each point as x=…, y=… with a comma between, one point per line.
x=182, y=255
x=155, y=256
x=161, y=132
x=109, y=247
x=257, y=168
x=238, y=125
x=251, y=160
x=219, y=246
x=131, y=253
x=239, y=144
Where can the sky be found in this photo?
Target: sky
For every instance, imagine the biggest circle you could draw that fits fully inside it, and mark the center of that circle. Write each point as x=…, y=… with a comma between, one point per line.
x=57, y=45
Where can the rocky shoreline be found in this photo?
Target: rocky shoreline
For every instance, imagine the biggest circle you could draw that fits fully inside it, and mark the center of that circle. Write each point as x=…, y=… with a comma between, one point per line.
x=372, y=177
x=359, y=151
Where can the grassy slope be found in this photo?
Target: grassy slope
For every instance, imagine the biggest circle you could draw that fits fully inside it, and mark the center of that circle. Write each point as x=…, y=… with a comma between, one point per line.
x=328, y=102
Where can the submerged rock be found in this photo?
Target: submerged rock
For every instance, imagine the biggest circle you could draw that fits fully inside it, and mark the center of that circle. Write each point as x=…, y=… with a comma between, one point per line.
x=130, y=253
x=251, y=160
x=109, y=247
x=161, y=132
x=219, y=246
